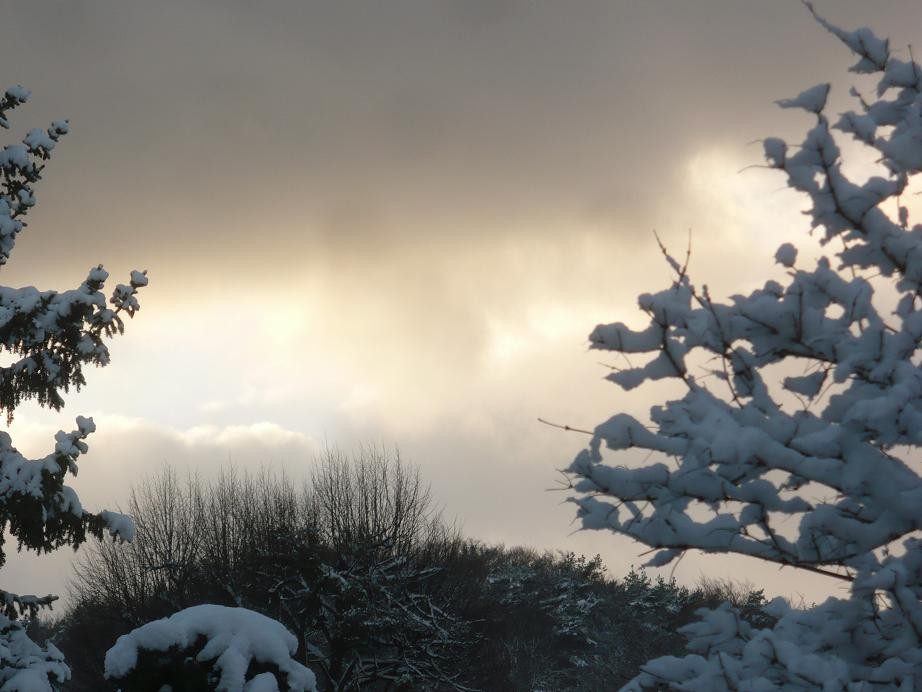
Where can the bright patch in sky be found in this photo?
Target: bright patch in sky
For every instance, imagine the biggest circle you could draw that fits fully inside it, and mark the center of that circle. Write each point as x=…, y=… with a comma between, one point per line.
x=533, y=331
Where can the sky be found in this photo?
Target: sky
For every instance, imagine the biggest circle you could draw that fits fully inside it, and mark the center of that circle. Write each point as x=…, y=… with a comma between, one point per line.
x=396, y=224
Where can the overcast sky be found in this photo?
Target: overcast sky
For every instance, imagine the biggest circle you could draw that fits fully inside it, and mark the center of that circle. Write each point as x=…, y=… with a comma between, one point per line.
x=396, y=223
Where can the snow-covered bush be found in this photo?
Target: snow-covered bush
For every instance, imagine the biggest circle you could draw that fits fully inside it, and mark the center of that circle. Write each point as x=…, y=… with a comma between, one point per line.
x=209, y=647
x=24, y=665
x=796, y=448
x=49, y=336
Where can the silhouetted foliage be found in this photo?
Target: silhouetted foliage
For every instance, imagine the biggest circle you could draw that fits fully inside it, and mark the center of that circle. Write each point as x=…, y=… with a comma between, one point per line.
x=386, y=597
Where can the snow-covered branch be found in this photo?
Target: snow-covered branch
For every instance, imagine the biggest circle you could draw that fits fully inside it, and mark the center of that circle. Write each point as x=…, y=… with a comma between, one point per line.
x=742, y=452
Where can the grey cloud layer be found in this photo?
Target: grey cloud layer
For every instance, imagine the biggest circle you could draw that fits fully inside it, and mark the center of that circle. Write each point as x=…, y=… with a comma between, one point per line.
x=273, y=130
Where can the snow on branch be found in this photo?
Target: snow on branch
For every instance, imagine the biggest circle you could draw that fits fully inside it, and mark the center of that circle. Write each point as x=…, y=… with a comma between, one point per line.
x=227, y=643
x=48, y=337
x=807, y=470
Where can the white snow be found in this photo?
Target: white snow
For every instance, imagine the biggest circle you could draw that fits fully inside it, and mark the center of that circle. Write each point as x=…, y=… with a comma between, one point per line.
x=812, y=99
x=786, y=255
x=24, y=665
x=51, y=336
x=824, y=482
x=234, y=637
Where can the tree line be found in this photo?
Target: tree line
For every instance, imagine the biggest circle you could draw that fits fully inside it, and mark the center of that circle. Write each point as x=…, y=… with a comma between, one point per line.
x=380, y=590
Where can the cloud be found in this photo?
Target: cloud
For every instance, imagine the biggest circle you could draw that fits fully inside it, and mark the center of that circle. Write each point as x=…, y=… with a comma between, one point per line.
x=348, y=130
x=124, y=450
x=397, y=222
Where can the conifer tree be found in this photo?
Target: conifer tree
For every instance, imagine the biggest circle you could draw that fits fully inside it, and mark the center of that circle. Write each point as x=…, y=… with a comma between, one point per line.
x=797, y=448
x=49, y=336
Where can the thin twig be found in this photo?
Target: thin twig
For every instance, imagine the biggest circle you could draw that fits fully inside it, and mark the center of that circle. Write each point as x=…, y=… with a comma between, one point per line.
x=568, y=428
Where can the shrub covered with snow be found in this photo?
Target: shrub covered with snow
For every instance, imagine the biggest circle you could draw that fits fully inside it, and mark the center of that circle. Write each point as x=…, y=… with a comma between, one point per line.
x=209, y=647
x=24, y=665
x=49, y=336
x=809, y=470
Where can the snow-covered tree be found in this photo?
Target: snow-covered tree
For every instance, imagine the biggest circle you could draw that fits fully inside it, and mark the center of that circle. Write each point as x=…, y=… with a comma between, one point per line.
x=375, y=624
x=209, y=647
x=48, y=336
x=349, y=563
x=797, y=446
x=545, y=609
x=374, y=615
